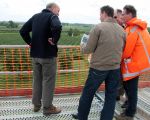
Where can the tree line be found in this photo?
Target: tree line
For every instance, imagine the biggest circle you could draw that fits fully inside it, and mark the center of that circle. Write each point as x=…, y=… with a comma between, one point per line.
x=71, y=31
x=9, y=24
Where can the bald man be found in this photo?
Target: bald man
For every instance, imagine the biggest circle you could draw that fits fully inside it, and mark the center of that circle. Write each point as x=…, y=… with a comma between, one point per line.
x=46, y=29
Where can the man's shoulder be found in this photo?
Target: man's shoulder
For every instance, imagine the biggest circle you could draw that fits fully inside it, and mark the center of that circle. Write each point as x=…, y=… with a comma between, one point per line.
x=49, y=15
x=99, y=26
x=36, y=14
x=119, y=27
x=103, y=24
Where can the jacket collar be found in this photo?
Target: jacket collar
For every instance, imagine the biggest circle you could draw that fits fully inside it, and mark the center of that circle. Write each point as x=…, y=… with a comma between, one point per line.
x=46, y=10
x=110, y=20
x=137, y=22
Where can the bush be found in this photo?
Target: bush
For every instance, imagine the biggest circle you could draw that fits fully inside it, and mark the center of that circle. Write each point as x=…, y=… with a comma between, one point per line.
x=76, y=32
x=70, y=32
x=65, y=63
x=149, y=29
x=15, y=63
x=12, y=24
x=73, y=32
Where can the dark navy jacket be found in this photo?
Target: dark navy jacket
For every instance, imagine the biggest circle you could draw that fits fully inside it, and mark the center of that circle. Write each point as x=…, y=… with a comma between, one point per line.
x=43, y=25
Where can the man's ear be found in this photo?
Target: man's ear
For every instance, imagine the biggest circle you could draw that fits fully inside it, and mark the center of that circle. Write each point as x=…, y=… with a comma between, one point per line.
x=130, y=15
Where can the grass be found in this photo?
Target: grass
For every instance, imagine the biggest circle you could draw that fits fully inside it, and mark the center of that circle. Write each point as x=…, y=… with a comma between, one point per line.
x=12, y=37
x=83, y=28
x=68, y=40
x=15, y=39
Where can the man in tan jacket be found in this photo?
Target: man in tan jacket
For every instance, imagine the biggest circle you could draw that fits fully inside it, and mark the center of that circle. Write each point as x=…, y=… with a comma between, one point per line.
x=106, y=42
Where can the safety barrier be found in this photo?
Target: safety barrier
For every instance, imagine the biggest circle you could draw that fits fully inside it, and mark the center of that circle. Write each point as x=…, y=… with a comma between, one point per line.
x=16, y=70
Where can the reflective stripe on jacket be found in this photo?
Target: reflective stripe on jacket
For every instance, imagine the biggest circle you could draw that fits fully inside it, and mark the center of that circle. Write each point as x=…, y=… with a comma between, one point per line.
x=136, y=55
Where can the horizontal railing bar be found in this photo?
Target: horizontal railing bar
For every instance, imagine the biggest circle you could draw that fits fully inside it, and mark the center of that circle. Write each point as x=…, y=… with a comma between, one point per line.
x=26, y=72
x=26, y=46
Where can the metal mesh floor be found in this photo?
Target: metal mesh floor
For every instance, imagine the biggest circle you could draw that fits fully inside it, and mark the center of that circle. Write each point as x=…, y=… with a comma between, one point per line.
x=143, y=106
x=21, y=109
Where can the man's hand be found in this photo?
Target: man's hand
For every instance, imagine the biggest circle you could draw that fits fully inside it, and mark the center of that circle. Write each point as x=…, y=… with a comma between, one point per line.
x=29, y=45
x=50, y=41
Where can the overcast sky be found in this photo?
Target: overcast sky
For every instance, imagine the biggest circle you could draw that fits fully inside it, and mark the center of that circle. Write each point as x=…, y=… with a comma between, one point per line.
x=72, y=11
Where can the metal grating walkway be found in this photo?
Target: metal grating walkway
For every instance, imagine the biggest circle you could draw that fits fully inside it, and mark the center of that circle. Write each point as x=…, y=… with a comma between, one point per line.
x=143, y=106
x=21, y=108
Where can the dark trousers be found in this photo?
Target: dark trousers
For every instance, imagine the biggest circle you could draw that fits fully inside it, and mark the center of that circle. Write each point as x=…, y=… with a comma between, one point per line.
x=120, y=88
x=94, y=80
x=131, y=89
x=44, y=76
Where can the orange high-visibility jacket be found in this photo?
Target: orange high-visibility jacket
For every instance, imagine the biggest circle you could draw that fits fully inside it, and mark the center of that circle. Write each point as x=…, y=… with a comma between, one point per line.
x=136, y=55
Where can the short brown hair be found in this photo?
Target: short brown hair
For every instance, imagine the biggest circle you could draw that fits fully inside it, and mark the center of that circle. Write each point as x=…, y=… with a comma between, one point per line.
x=130, y=9
x=119, y=11
x=108, y=10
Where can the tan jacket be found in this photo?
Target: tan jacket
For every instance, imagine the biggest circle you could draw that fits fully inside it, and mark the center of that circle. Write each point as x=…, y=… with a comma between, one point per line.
x=106, y=43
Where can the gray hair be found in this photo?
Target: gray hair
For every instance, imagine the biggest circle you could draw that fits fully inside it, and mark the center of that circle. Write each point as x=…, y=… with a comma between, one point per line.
x=51, y=5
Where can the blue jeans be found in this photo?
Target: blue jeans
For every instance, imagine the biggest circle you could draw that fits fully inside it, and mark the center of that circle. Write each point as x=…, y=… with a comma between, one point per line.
x=94, y=80
x=131, y=89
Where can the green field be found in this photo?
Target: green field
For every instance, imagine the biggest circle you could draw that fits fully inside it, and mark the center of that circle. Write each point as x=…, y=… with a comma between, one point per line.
x=11, y=36
x=11, y=39
x=15, y=39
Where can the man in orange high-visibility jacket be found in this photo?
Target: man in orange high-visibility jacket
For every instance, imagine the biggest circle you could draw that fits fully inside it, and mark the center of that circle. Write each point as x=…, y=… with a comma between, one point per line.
x=135, y=59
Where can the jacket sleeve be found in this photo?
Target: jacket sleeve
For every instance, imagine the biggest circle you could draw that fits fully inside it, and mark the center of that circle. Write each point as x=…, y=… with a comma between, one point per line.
x=25, y=31
x=92, y=41
x=56, y=28
x=130, y=45
x=124, y=40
